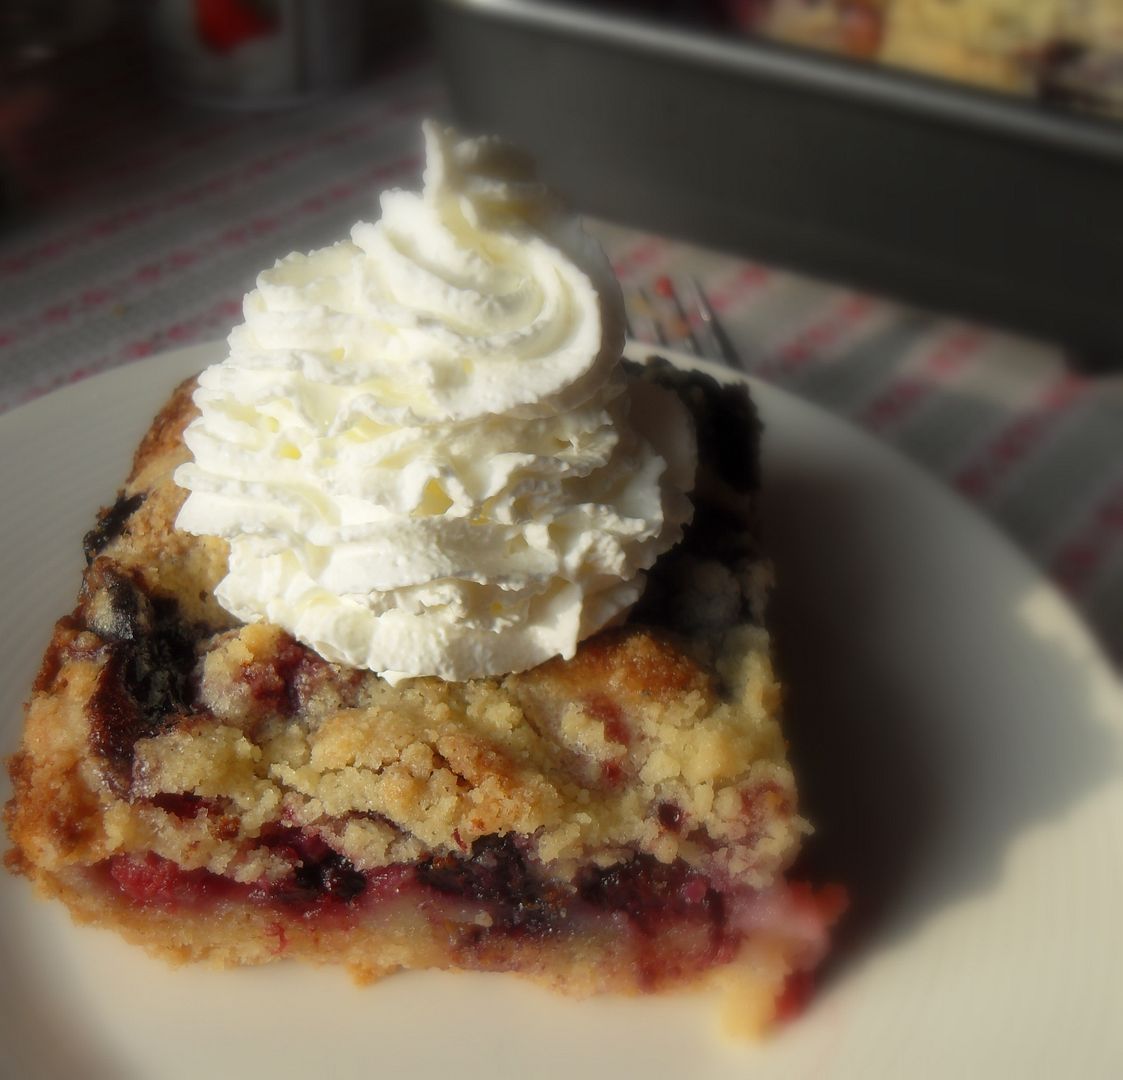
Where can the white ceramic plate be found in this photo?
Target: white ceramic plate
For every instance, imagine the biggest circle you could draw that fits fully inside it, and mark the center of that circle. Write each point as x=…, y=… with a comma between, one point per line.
x=960, y=739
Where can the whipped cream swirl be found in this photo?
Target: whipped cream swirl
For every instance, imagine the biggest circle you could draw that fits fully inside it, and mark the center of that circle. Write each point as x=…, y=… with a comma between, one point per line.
x=421, y=447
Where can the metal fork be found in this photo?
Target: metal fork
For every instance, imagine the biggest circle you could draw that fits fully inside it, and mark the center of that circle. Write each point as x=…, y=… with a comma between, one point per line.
x=677, y=315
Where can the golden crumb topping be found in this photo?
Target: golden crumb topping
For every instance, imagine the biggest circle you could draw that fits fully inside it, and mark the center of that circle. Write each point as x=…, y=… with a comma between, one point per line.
x=629, y=747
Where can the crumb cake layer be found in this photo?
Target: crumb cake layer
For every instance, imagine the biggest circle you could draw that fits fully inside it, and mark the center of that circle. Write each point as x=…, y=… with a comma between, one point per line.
x=620, y=821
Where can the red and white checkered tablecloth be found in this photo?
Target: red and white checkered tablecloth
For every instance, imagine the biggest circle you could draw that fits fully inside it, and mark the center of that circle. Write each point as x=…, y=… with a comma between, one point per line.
x=138, y=252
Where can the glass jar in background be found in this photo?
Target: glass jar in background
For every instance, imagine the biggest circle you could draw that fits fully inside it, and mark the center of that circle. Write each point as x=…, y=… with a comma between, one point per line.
x=259, y=53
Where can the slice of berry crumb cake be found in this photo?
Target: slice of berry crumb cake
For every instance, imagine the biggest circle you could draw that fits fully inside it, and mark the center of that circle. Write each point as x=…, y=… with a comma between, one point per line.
x=621, y=821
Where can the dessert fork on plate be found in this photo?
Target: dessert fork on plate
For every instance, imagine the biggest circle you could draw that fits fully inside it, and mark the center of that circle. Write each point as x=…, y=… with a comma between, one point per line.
x=676, y=314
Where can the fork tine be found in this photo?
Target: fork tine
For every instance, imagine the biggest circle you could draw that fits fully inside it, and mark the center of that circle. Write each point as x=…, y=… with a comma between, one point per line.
x=660, y=315
x=658, y=324
x=642, y=324
x=629, y=327
x=721, y=347
x=684, y=326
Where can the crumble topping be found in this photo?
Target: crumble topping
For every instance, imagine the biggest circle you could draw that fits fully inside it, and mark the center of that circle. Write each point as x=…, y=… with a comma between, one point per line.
x=626, y=748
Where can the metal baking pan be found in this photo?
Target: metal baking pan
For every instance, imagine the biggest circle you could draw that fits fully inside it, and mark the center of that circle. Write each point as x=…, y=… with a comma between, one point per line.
x=954, y=199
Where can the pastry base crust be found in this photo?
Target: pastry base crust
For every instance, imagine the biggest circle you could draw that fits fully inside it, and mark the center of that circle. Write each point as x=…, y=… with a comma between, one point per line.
x=762, y=980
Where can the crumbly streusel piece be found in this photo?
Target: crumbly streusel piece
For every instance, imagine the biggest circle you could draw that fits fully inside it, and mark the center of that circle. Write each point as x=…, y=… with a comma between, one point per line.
x=622, y=820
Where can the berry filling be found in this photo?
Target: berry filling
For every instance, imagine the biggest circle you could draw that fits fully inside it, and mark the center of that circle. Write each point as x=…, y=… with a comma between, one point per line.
x=493, y=878
x=669, y=917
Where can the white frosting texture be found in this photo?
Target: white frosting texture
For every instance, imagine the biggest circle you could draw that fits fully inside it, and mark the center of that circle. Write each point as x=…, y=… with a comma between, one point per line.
x=421, y=447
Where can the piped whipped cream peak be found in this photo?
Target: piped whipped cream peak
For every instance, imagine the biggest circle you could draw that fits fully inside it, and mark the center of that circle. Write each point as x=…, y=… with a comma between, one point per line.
x=421, y=447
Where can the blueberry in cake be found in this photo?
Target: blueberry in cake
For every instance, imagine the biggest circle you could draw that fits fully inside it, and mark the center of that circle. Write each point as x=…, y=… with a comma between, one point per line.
x=574, y=774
